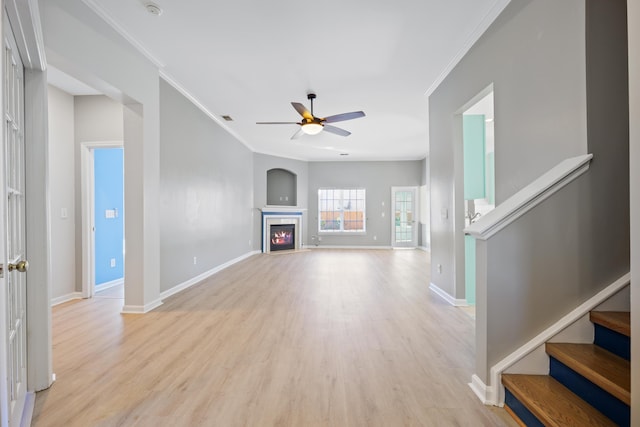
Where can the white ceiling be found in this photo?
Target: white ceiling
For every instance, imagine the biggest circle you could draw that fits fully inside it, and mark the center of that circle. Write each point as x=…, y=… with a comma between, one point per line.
x=250, y=58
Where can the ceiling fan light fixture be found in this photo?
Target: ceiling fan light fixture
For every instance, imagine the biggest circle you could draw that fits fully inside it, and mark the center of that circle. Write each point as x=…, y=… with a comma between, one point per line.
x=311, y=128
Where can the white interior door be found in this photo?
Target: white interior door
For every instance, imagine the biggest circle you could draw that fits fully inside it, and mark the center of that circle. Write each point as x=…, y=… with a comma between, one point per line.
x=404, y=228
x=14, y=300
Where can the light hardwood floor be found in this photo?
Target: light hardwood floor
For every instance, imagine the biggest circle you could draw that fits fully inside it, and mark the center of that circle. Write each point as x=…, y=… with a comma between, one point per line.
x=315, y=338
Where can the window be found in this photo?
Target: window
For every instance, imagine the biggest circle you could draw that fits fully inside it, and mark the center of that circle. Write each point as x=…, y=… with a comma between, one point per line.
x=341, y=210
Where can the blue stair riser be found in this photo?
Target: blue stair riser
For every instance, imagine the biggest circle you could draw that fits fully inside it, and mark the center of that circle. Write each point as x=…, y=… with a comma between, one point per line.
x=610, y=406
x=520, y=410
x=613, y=341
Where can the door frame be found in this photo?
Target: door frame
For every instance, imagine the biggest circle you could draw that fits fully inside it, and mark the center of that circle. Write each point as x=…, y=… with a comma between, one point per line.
x=88, y=211
x=416, y=207
x=24, y=17
x=459, y=285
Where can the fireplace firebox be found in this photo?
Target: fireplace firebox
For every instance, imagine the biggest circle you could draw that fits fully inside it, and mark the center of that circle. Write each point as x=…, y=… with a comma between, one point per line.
x=282, y=237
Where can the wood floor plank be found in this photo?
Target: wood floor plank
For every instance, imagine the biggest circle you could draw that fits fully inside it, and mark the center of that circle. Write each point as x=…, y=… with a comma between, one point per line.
x=316, y=338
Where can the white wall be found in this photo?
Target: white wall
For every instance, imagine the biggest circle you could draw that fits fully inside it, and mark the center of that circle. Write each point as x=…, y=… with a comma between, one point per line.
x=634, y=116
x=61, y=194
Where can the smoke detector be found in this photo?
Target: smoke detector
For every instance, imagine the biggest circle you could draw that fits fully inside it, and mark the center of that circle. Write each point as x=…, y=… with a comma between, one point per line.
x=153, y=8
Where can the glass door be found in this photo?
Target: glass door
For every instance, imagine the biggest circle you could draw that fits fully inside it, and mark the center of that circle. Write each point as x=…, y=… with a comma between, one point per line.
x=404, y=228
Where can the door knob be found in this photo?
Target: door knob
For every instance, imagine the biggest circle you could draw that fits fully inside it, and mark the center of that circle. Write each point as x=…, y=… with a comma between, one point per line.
x=21, y=266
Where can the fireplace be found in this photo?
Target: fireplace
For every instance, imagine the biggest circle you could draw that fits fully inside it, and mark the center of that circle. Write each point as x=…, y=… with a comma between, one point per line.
x=282, y=228
x=282, y=237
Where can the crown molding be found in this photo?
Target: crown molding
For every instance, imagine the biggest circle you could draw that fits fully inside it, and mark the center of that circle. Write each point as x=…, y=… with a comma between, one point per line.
x=102, y=13
x=475, y=35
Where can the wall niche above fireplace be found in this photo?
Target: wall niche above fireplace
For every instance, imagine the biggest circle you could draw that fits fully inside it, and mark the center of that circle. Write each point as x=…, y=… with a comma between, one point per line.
x=282, y=187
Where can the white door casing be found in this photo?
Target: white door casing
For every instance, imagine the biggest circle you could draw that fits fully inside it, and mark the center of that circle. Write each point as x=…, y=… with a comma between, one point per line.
x=404, y=214
x=88, y=214
x=14, y=220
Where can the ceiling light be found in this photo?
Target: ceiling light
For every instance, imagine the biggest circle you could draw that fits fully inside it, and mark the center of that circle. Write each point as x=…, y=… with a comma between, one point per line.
x=153, y=8
x=311, y=128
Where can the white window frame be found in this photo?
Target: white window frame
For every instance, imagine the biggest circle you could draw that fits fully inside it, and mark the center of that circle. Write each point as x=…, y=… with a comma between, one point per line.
x=342, y=231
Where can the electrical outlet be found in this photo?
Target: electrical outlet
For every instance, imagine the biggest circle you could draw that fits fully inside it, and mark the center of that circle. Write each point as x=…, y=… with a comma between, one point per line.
x=113, y=262
x=319, y=239
x=375, y=237
x=195, y=260
x=439, y=268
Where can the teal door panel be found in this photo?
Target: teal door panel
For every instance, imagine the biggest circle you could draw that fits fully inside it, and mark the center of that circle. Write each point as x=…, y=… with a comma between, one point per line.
x=474, y=156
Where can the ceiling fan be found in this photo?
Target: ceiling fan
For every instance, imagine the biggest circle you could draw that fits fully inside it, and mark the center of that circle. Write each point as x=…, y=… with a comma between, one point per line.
x=312, y=125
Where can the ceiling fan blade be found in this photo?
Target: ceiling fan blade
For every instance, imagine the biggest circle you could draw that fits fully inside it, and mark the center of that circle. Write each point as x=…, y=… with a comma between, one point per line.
x=336, y=130
x=277, y=123
x=302, y=110
x=297, y=134
x=344, y=116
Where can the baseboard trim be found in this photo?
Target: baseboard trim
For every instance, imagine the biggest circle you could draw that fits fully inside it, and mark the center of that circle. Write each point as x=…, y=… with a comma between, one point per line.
x=199, y=278
x=141, y=309
x=496, y=394
x=424, y=248
x=346, y=247
x=66, y=298
x=481, y=390
x=448, y=298
x=107, y=285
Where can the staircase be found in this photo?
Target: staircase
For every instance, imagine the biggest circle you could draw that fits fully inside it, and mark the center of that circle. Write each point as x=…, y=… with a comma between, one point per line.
x=587, y=385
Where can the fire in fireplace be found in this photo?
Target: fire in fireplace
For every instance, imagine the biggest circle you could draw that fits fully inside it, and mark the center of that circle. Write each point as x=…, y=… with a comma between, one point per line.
x=282, y=237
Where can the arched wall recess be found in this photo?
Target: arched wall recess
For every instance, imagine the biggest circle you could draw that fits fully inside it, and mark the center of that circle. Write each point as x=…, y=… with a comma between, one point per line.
x=282, y=187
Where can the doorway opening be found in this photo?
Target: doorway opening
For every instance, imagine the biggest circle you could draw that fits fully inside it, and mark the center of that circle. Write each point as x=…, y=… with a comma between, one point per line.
x=479, y=178
x=102, y=217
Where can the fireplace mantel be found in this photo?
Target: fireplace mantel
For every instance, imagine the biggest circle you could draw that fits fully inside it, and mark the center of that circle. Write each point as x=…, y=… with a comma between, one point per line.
x=282, y=215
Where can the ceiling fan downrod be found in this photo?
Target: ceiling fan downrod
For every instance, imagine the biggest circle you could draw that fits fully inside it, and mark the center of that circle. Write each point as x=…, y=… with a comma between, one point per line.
x=311, y=97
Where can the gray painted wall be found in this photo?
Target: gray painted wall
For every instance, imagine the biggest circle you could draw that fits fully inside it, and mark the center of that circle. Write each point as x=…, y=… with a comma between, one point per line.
x=377, y=178
x=261, y=164
x=537, y=270
x=576, y=242
x=423, y=230
x=81, y=44
x=61, y=179
x=608, y=139
x=634, y=115
x=534, y=54
x=206, y=195
x=282, y=188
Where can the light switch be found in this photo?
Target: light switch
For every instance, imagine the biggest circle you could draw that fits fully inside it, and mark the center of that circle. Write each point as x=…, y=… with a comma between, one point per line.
x=444, y=213
x=63, y=213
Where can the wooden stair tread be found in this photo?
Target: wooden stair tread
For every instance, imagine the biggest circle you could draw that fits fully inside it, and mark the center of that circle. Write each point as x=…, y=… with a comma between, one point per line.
x=619, y=321
x=610, y=372
x=552, y=403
